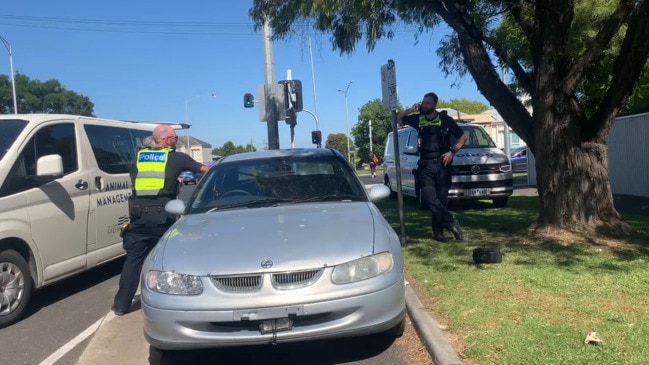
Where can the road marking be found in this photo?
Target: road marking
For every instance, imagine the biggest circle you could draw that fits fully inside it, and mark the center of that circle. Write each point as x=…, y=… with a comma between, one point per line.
x=58, y=354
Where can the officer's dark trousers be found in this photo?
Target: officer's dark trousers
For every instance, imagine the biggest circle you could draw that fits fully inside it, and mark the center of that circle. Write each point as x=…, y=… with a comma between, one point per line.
x=138, y=242
x=435, y=181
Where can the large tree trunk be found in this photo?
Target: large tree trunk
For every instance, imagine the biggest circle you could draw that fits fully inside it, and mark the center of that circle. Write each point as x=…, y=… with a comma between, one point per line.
x=572, y=175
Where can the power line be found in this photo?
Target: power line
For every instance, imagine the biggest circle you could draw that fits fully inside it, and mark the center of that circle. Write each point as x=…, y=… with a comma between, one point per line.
x=147, y=27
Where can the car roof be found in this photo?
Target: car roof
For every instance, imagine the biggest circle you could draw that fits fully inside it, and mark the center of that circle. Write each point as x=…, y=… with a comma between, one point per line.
x=293, y=152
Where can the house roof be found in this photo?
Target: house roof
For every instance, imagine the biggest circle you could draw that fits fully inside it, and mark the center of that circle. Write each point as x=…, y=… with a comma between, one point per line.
x=193, y=141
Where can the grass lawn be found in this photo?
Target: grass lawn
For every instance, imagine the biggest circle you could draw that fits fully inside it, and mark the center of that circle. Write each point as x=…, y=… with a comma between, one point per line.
x=538, y=305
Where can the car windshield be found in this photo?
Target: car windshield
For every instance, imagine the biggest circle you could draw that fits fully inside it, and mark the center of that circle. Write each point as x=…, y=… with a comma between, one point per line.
x=9, y=131
x=476, y=137
x=284, y=180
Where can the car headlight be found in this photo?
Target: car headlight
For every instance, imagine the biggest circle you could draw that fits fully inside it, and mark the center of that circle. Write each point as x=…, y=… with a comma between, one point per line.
x=363, y=268
x=169, y=282
x=505, y=167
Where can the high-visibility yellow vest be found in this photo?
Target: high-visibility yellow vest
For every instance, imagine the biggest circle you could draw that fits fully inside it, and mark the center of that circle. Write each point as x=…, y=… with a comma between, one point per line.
x=423, y=122
x=150, y=178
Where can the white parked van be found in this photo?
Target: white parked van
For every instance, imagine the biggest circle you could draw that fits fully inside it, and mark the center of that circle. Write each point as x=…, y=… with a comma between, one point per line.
x=479, y=171
x=64, y=186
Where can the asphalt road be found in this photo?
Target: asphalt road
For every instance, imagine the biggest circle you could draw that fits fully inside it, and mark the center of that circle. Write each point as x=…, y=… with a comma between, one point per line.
x=57, y=314
x=60, y=312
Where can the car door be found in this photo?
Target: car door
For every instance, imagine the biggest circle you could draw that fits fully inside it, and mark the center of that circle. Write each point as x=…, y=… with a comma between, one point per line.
x=519, y=160
x=58, y=209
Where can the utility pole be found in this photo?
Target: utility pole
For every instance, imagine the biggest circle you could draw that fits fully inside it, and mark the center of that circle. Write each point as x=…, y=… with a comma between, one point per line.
x=370, y=123
x=269, y=70
x=13, y=75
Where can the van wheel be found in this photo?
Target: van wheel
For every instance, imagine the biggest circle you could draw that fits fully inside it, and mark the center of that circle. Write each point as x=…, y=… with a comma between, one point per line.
x=16, y=287
x=500, y=202
x=386, y=182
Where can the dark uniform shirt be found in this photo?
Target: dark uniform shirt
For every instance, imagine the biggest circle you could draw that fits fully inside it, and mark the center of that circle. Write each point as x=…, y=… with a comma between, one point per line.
x=177, y=163
x=434, y=135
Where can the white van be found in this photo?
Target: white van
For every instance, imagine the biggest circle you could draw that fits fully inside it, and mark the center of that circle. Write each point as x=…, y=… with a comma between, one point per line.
x=479, y=171
x=64, y=186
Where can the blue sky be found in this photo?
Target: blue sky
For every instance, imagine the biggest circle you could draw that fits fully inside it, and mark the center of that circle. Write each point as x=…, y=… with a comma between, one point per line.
x=142, y=60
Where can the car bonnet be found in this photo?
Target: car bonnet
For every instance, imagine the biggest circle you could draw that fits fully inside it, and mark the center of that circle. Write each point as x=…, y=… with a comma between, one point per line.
x=291, y=237
x=479, y=156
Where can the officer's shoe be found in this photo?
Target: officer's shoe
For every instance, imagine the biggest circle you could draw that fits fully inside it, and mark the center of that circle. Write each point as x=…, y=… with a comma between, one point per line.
x=456, y=230
x=439, y=237
x=117, y=312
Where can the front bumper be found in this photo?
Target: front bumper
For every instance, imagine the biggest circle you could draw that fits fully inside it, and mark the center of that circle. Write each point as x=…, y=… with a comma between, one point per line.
x=354, y=316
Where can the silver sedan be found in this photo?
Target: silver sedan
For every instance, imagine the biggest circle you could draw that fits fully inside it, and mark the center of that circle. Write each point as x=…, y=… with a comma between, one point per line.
x=274, y=246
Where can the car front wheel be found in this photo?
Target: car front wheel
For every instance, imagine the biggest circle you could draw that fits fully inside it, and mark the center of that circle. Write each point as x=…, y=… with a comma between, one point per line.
x=164, y=357
x=16, y=287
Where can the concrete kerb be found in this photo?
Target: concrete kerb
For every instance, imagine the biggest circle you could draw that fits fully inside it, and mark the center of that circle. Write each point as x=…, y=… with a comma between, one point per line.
x=440, y=350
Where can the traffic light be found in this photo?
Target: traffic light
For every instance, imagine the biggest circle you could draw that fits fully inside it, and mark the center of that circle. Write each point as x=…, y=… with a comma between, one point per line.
x=316, y=137
x=248, y=100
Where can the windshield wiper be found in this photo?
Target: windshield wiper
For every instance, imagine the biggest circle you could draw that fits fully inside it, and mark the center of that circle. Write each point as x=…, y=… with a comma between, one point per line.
x=331, y=197
x=252, y=203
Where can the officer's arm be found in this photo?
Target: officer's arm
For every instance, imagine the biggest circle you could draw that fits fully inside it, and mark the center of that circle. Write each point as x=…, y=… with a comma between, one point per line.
x=460, y=142
x=405, y=112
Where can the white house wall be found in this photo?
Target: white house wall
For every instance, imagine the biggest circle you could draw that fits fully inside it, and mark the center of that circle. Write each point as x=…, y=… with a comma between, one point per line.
x=628, y=156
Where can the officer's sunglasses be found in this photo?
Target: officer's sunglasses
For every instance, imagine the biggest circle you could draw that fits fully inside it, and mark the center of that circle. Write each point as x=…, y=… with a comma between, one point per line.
x=174, y=137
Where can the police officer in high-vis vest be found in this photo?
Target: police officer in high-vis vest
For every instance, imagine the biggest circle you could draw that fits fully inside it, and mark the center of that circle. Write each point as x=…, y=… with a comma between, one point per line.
x=435, y=159
x=154, y=184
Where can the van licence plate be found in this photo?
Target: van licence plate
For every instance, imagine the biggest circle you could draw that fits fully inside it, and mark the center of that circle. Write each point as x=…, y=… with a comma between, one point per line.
x=478, y=192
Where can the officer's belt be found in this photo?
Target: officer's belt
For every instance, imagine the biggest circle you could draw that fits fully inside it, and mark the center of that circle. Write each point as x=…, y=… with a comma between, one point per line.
x=427, y=161
x=152, y=209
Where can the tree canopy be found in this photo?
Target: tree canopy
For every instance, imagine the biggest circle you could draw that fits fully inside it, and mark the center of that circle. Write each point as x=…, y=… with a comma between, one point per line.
x=34, y=96
x=229, y=148
x=463, y=105
x=338, y=141
x=554, y=61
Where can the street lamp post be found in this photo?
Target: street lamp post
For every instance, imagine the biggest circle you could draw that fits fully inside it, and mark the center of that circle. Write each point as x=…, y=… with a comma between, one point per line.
x=187, y=101
x=349, y=158
x=11, y=65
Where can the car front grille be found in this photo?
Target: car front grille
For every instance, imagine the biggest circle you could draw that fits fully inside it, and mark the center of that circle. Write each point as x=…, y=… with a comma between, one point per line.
x=253, y=282
x=238, y=283
x=295, y=279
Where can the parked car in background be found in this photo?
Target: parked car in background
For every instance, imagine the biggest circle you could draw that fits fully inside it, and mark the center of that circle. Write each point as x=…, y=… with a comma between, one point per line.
x=519, y=159
x=254, y=260
x=187, y=177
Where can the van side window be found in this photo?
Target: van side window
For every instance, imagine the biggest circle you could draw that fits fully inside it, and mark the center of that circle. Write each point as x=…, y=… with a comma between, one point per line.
x=57, y=139
x=114, y=147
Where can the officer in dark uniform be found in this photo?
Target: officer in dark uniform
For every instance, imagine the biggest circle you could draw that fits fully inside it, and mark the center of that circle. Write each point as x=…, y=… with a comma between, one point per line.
x=435, y=158
x=154, y=184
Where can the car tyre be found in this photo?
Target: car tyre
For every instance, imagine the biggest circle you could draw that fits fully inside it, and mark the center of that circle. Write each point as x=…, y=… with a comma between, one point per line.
x=500, y=202
x=16, y=286
x=163, y=357
x=398, y=330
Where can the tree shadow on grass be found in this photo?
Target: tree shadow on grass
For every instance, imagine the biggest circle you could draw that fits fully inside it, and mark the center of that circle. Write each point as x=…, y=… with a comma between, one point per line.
x=510, y=229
